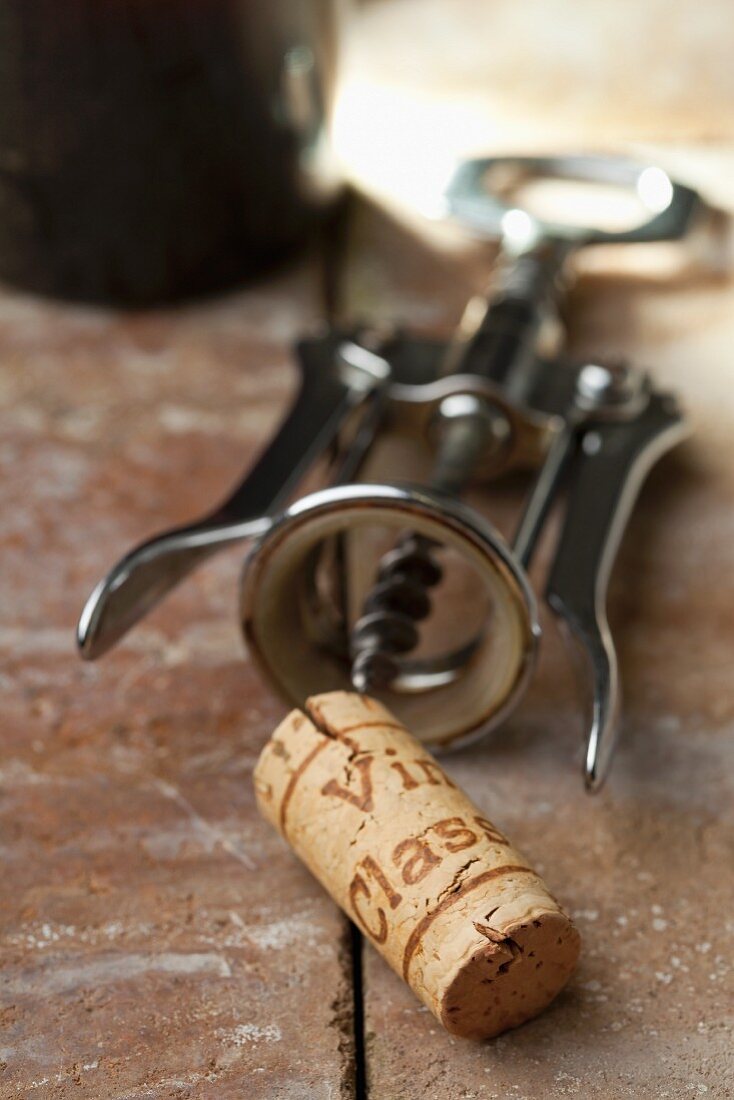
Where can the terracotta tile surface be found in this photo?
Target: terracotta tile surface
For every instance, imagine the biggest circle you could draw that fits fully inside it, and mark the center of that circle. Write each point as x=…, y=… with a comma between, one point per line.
x=156, y=938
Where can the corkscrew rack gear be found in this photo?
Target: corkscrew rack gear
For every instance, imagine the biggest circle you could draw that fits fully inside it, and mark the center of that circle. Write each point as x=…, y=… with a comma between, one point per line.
x=351, y=586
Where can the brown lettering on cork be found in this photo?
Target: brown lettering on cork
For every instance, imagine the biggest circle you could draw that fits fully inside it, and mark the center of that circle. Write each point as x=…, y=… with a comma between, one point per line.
x=409, y=783
x=415, y=858
x=454, y=833
x=373, y=868
x=361, y=799
x=493, y=835
x=430, y=773
x=448, y=902
x=435, y=775
x=421, y=859
x=359, y=888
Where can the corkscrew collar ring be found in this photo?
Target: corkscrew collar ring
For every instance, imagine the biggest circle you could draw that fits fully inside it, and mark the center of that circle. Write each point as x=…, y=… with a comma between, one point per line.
x=296, y=641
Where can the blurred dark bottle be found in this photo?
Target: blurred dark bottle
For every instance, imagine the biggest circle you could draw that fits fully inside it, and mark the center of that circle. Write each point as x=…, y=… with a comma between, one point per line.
x=154, y=149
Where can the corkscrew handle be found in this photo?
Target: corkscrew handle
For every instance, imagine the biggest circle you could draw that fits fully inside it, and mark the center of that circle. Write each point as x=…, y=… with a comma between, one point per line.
x=488, y=213
x=532, y=274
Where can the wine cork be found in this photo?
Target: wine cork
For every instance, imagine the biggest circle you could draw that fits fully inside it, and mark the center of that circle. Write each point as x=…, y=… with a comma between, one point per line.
x=439, y=891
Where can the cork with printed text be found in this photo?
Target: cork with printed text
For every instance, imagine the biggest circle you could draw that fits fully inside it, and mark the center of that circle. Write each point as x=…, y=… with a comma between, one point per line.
x=434, y=885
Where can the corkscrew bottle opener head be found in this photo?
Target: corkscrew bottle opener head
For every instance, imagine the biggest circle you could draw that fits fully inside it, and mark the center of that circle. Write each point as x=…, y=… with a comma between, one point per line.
x=358, y=584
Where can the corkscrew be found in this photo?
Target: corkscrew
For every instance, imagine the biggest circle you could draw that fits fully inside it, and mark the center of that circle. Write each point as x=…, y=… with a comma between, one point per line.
x=386, y=580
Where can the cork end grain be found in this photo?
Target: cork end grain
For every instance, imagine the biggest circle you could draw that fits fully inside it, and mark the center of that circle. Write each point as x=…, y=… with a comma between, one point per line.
x=439, y=891
x=511, y=977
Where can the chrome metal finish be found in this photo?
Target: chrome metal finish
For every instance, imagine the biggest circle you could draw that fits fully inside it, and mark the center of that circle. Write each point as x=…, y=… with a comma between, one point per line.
x=602, y=493
x=300, y=654
x=395, y=605
x=531, y=277
x=336, y=378
x=325, y=604
x=671, y=205
x=614, y=392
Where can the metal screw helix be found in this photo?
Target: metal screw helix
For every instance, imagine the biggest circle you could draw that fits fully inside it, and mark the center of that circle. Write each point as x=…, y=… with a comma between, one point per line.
x=395, y=604
x=469, y=429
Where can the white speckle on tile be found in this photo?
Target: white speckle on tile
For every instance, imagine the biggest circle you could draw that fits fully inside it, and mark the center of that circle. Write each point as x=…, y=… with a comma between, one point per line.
x=115, y=968
x=210, y=831
x=58, y=1078
x=242, y=1034
x=176, y=419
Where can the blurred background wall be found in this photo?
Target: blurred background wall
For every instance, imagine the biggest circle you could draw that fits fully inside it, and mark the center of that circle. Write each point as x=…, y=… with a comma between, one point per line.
x=428, y=80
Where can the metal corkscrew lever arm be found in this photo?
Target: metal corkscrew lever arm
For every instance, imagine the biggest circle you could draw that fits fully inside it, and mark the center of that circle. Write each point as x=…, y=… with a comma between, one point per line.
x=604, y=485
x=337, y=376
x=616, y=427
